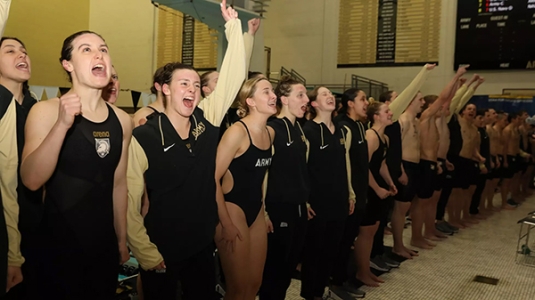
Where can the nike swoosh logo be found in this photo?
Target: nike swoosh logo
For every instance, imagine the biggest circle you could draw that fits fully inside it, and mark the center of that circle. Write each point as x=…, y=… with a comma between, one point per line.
x=167, y=148
x=323, y=147
x=289, y=143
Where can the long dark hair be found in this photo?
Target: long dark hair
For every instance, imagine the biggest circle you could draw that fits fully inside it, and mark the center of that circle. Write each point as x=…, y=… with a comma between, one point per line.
x=348, y=95
x=25, y=85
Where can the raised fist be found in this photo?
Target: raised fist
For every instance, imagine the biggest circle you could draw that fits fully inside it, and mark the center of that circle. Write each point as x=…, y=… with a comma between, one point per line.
x=254, y=24
x=228, y=12
x=70, y=106
x=430, y=66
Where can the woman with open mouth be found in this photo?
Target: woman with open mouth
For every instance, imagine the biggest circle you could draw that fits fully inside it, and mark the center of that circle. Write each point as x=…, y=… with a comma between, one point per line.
x=174, y=241
x=21, y=207
x=331, y=194
x=76, y=146
x=287, y=190
x=111, y=92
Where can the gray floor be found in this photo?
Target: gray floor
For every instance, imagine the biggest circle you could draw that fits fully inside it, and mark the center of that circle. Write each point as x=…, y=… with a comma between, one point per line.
x=447, y=272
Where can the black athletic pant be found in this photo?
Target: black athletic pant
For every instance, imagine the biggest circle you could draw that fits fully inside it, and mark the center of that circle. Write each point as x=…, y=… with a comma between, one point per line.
x=339, y=272
x=443, y=202
x=321, y=246
x=285, y=246
x=196, y=275
x=476, y=197
x=66, y=273
x=378, y=247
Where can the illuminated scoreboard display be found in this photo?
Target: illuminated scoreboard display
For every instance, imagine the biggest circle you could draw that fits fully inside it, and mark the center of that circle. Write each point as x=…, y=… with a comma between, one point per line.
x=495, y=34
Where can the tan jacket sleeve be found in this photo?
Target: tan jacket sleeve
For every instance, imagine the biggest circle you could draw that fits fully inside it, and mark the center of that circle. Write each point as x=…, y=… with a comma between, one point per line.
x=404, y=99
x=456, y=100
x=139, y=242
x=465, y=98
x=4, y=14
x=348, y=139
x=9, y=161
x=248, y=42
x=231, y=76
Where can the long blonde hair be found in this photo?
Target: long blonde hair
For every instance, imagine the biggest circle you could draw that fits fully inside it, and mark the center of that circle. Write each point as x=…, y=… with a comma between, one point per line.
x=247, y=91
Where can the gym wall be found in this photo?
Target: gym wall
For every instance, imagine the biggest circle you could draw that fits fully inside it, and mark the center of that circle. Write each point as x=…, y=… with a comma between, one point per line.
x=42, y=26
x=128, y=27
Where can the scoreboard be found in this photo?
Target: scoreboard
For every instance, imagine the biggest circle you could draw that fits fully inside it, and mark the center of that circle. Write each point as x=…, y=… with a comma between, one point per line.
x=388, y=33
x=495, y=34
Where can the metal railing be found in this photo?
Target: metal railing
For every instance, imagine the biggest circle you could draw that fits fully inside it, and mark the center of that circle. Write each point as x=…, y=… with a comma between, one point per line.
x=372, y=88
x=298, y=77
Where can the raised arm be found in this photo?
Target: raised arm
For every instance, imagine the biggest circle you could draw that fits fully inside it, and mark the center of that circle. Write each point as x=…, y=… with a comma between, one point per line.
x=4, y=14
x=469, y=93
x=444, y=95
x=453, y=91
x=144, y=250
x=232, y=72
x=457, y=98
x=248, y=41
x=404, y=99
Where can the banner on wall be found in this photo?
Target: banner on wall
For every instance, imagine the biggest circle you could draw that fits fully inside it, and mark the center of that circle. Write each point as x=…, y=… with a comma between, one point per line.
x=37, y=91
x=152, y=98
x=145, y=98
x=507, y=103
x=63, y=90
x=51, y=91
x=135, y=98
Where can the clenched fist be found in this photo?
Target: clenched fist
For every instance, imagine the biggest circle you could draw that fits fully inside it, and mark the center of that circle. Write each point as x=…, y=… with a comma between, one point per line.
x=70, y=106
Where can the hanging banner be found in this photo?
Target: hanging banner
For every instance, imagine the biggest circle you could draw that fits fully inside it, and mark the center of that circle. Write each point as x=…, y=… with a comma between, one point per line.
x=135, y=98
x=506, y=103
x=51, y=92
x=38, y=91
x=145, y=98
x=152, y=98
x=63, y=90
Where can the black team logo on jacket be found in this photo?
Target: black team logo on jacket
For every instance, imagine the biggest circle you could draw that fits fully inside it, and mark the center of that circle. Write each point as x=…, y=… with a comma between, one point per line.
x=102, y=143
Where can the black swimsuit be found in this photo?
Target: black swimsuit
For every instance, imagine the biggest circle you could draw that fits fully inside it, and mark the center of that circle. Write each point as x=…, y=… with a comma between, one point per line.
x=376, y=206
x=77, y=231
x=248, y=171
